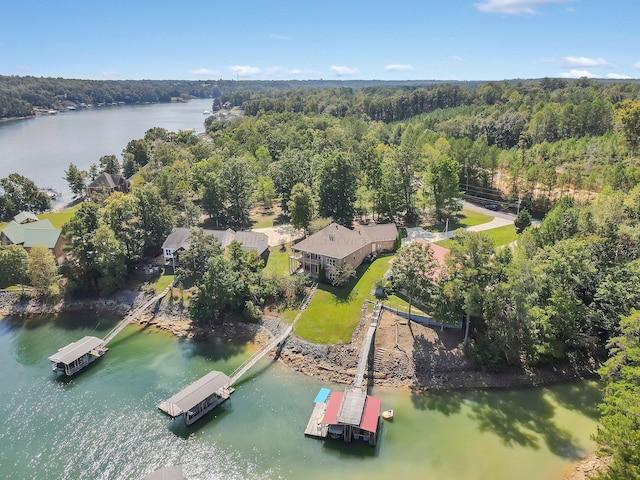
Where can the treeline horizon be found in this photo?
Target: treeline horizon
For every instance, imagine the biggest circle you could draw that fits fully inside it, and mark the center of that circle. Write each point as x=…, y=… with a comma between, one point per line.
x=21, y=96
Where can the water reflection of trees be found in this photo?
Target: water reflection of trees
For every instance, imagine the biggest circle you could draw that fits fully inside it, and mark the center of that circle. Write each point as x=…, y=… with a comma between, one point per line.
x=525, y=419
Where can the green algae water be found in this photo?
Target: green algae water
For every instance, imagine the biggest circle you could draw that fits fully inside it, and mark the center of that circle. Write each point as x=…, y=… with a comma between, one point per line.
x=104, y=424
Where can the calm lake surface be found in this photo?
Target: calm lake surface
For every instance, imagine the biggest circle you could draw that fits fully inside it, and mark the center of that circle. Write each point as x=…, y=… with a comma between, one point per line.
x=42, y=147
x=104, y=424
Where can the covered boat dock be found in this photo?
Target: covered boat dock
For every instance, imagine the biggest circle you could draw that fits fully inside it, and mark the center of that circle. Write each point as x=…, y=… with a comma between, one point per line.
x=350, y=415
x=199, y=398
x=77, y=355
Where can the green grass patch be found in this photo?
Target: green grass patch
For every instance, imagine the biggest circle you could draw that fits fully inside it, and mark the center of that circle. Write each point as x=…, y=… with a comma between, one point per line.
x=267, y=219
x=398, y=303
x=58, y=219
x=464, y=219
x=278, y=261
x=334, y=313
x=500, y=236
x=162, y=282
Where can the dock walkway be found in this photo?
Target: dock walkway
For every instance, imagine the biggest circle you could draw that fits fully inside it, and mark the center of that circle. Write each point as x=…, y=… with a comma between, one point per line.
x=135, y=314
x=366, y=346
x=255, y=358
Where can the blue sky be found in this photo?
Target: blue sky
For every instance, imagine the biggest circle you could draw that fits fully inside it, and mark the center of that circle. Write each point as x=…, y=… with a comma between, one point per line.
x=332, y=39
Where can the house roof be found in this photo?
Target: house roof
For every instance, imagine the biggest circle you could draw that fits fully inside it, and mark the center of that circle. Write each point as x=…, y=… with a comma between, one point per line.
x=25, y=217
x=333, y=241
x=381, y=232
x=351, y=408
x=179, y=239
x=107, y=180
x=30, y=234
x=195, y=393
x=75, y=350
x=257, y=241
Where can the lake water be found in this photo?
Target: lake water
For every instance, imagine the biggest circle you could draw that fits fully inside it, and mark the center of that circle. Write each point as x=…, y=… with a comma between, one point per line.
x=42, y=147
x=104, y=424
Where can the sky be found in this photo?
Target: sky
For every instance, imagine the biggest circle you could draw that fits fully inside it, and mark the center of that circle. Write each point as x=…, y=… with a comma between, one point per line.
x=331, y=39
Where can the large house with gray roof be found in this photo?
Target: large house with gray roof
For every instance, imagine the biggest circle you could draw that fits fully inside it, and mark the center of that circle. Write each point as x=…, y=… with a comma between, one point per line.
x=336, y=245
x=178, y=240
x=107, y=183
x=27, y=231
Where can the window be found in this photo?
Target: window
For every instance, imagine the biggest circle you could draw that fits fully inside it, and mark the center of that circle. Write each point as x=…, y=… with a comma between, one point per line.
x=330, y=262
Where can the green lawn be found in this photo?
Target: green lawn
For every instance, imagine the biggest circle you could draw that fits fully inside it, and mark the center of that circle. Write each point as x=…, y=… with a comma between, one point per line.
x=58, y=219
x=466, y=218
x=162, y=282
x=267, y=219
x=278, y=261
x=500, y=236
x=334, y=313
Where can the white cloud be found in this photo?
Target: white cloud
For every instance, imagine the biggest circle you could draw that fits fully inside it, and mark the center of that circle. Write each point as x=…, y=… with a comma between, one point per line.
x=244, y=70
x=570, y=62
x=275, y=36
x=205, y=72
x=457, y=58
x=578, y=74
x=278, y=72
x=636, y=65
x=618, y=76
x=514, y=7
x=343, y=71
x=398, y=68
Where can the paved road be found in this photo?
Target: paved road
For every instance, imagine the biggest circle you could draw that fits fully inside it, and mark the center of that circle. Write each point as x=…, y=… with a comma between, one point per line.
x=500, y=219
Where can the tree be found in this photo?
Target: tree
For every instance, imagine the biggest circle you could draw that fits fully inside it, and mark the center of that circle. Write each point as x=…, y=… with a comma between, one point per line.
x=338, y=182
x=14, y=264
x=619, y=429
x=442, y=190
x=301, y=206
x=265, y=192
x=236, y=182
x=121, y=214
x=413, y=269
x=22, y=194
x=75, y=179
x=108, y=260
x=110, y=164
x=522, y=221
x=291, y=169
x=193, y=261
x=42, y=271
x=213, y=196
x=78, y=233
x=469, y=271
x=221, y=288
x=341, y=274
x=155, y=217
x=628, y=113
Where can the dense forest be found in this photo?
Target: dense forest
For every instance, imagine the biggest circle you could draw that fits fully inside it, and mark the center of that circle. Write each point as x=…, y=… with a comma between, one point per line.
x=568, y=150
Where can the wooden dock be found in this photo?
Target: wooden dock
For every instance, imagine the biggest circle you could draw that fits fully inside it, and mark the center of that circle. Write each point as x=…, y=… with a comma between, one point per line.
x=315, y=427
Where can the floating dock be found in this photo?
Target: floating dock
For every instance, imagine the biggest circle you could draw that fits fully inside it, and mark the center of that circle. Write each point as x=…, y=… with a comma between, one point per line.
x=77, y=355
x=199, y=398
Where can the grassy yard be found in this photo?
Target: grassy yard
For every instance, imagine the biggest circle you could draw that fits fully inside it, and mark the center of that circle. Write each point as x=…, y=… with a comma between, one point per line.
x=58, y=219
x=500, y=236
x=162, y=282
x=334, y=313
x=269, y=218
x=464, y=219
x=278, y=261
